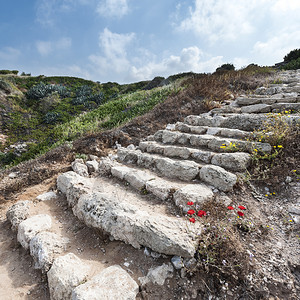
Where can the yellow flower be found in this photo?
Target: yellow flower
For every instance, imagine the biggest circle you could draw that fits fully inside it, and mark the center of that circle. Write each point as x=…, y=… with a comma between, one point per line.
x=290, y=220
x=280, y=146
x=266, y=195
x=255, y=150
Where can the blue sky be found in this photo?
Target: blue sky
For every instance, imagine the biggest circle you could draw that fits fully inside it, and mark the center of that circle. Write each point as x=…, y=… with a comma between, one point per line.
x=132, y=40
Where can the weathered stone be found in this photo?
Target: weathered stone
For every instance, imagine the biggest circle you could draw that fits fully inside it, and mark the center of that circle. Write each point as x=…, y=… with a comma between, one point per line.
x=93, y=166
x=128, y=156
x=182, y=127
x=80, y=168
x=247, y=122
x=120, y=171
x=73, y=185
x=135, y=225
x=66, y=273
x=205, y=120
x=146, y=160
x=174, y=151
x=154, y=147
x=218, y=177
x=216, y=143
x=234, y=133
x=158, y=136
x=201, y=155
x=197, y=193
x=177, y=262
x=31, y=227
x=183, y=138
x=201, y=140
x=47, y=196
x=213, y=130
x=243, y=101
x=138, y=178
x=161, y=188
x=18, y=213
x=184, y=170
x=169, y=137
x=257, y=108
x=237, y=161
x=158, y=275
x=44, y=247
x=112, y=283
x=105, y=166
x=278, y=107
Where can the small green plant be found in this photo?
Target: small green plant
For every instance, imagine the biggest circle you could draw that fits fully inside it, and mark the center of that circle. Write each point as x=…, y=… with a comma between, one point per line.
x=82, y=156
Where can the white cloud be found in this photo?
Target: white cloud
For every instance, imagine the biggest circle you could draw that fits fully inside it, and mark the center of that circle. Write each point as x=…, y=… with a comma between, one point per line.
x=275, y=48
x=47, y=47
x=113, y=8
x=190, y=59
x=219, y=19
x=9, y=54
x=114, y=49
x=47, y=10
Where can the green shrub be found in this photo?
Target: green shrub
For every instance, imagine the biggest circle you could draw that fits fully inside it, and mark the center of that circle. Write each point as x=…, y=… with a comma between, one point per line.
x=42, y=90
x=292, y=65
x=294, y=54
x=52, y=117
x=226, y=67
x=6, y=72
x=49, y=102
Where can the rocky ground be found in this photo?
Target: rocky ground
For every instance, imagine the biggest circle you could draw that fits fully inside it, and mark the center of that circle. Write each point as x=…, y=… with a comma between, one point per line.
x=151, y=184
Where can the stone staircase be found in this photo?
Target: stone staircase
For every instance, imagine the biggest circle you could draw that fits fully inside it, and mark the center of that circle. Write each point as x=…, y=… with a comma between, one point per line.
x=187, y=161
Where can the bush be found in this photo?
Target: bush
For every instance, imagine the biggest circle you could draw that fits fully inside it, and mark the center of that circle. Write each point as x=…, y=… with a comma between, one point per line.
x=42, y=90
x=292, y=65
x=52, y=117
x=6, y=72
x=294, y=54
x=226, y=67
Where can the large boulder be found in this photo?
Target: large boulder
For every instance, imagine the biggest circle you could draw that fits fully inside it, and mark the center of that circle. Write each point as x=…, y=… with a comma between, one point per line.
x=135, y=225
x=112, y=283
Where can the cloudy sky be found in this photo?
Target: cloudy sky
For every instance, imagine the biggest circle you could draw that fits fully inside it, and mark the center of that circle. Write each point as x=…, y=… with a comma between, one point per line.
x=132, y=40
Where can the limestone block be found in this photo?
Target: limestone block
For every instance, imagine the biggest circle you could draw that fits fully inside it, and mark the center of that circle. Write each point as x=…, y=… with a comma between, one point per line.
x=218, y=177
x=44, y=247
x=66, y=273
x=31, y=227
x=80, y=168
x=197, y=193
x=237, y=161
x=112, y=283
x=18, y=213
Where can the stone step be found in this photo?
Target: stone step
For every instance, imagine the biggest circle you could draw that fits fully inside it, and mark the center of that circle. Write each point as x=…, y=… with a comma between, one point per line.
x=218, y=131
x=246, y=122
x=127, y=216
x=245, y=101
x=177, y=169
x=164, y=189
x=206, y=141
x=237, y=161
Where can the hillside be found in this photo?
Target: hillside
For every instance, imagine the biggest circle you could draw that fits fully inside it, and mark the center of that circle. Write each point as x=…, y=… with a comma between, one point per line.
x=232, y=142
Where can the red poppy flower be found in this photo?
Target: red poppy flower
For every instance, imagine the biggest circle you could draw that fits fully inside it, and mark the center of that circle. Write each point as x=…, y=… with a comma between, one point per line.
x=192, y=220
x=242, y=207
x=240, y=213
x=230, y=207
x=201, y=213
x=191, y=212
x=190, y=203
